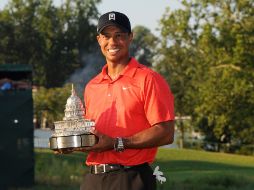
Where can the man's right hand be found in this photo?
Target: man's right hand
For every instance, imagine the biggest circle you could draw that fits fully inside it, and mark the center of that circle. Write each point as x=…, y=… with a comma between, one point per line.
x=104, y=143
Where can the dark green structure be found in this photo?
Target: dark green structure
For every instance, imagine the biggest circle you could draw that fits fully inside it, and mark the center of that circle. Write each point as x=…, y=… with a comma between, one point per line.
x=16, y=127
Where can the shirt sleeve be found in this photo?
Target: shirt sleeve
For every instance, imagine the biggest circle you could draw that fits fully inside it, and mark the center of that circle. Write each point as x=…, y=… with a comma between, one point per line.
x=158, y=99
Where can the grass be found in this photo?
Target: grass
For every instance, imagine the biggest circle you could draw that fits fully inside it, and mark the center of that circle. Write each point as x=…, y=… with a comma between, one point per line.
x=184, y=170
x=199, y=170
x=58, y=171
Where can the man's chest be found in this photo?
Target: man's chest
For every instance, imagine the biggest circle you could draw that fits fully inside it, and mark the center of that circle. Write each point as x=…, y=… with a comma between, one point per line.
x=123, y=97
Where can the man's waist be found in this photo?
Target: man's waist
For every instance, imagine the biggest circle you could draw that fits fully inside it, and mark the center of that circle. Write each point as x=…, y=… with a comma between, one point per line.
x=127, y=157
x=105, y=168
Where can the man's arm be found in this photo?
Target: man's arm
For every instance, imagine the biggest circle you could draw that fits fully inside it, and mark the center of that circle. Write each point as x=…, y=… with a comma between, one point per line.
x=157, y=135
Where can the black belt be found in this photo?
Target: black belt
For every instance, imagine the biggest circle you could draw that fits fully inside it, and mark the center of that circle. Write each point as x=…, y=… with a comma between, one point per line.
x=104, y=168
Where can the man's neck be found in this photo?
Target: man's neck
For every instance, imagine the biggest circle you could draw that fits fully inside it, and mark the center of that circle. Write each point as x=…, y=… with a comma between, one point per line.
x=115, y=68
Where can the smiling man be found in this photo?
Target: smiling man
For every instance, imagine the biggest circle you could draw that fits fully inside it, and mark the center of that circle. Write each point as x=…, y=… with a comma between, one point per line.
x=133, y=109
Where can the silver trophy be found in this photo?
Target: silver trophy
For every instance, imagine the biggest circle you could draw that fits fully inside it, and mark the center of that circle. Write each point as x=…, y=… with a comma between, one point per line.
x=74, y=131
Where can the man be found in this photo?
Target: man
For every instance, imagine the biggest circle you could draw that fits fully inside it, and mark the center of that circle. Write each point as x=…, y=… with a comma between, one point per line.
x=133, y=110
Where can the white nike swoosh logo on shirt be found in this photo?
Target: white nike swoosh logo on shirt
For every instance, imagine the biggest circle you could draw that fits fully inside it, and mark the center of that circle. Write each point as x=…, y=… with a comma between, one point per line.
x=125, y=88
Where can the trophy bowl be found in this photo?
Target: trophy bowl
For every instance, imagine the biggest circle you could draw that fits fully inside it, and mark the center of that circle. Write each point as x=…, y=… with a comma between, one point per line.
x=72, y=141
x=74, y=131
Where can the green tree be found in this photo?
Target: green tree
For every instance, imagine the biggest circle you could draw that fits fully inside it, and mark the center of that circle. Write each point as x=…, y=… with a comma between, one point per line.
x=178, y=63
x=54, y=40
x=143, y=47
x=208, y=53
x=49, y=104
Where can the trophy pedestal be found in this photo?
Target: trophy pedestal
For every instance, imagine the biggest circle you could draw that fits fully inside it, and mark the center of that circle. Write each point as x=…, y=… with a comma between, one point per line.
x=73, y=141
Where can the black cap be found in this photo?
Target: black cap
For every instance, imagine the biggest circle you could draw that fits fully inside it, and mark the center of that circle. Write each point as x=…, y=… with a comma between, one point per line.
x=116, y=19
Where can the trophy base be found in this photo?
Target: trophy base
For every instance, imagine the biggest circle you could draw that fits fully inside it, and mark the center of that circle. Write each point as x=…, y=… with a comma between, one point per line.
x=73, y=141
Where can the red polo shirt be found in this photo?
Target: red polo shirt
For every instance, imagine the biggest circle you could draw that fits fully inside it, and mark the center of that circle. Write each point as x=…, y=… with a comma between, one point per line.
x=136, y=100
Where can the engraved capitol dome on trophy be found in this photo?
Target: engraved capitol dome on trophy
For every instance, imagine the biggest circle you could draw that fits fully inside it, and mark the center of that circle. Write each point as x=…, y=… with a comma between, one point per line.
x=74, y=131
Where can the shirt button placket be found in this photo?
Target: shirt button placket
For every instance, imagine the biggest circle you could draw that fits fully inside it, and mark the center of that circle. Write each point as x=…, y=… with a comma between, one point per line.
x=109, y=93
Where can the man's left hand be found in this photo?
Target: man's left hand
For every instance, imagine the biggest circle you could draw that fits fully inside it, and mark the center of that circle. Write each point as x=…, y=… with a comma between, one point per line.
x=104, y=143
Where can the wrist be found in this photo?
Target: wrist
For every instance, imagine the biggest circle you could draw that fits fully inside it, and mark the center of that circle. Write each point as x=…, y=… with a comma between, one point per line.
x=119, y=144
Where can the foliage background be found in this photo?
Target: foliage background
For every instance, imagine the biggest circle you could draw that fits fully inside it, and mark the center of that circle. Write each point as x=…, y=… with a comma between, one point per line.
x=205, y=51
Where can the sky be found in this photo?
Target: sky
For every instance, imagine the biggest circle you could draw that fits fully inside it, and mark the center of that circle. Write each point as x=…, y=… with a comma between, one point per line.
x=140, y=12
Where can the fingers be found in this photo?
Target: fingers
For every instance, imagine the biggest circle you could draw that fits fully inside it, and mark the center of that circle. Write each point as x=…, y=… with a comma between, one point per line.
x=94, y=148
x=78, y=149
x=63, y=151
x=81, y=149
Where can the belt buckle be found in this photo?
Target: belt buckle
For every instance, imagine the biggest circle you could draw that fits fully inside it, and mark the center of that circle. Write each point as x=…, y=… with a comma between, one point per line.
x=97, y=167
x=104, y=168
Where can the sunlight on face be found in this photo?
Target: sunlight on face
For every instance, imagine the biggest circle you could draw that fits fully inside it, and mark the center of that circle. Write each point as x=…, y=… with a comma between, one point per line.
x=114, y=43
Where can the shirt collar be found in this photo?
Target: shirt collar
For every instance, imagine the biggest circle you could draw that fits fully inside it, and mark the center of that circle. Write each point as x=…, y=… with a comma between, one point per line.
x=129, y=70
